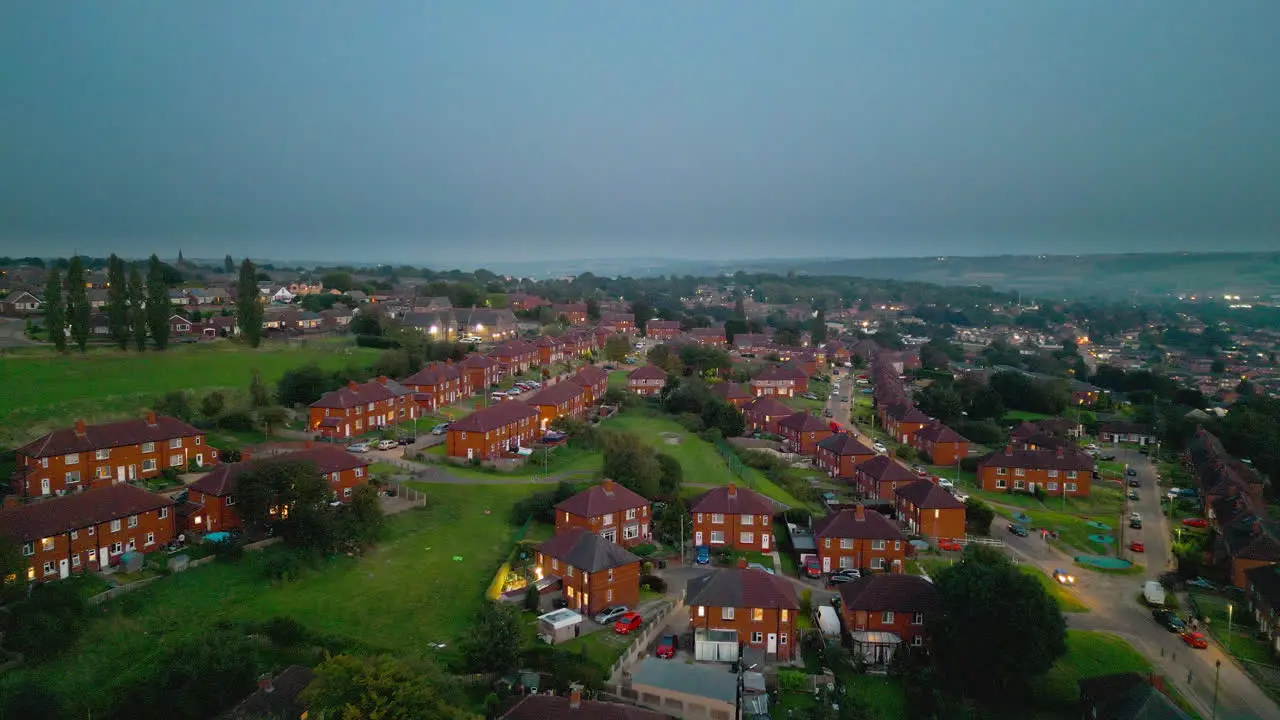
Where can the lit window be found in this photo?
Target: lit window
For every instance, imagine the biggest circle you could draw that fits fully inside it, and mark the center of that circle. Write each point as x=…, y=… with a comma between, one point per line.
x=757, y=615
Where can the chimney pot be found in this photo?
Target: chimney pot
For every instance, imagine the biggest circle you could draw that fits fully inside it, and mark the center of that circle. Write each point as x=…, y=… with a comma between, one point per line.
x=80, y=428
x=382, y=379
x=608, y=486
x=733, y=490
x=351, y=385
x=575, y=698
x=151, y=418
x=1008, y=450
x=859, y=512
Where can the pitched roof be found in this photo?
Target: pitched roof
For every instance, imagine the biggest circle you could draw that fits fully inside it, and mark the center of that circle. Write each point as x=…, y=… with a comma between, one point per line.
x=803, y=422
x=494, y=417
x=1070, y=459
x=1128, y=696
x=780, y=372
x=1265, y=581
x=26, y=523
x=648, y=372
x=586, y=551
x=281, y=701
x=513, y=348
x=355, y=394
x=558, y=394
x=221, y=481
x=890, y=592
x=845, y=524
x=729, y=391
x=768, y=407
x=108, y=435
x=904, y=412
x=741, y=588
x=845, y=444
x=939, y=433
x=437, y=373
x=1125, y=428
x=476, y=360
x=883, y=468
x=733, y=500
x=590, y=375
x=652, y=325
x=600, y=499
x=928, y=496
x=556, y=707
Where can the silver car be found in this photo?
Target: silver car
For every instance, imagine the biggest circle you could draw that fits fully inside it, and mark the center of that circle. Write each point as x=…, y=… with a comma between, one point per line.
x=609, y=614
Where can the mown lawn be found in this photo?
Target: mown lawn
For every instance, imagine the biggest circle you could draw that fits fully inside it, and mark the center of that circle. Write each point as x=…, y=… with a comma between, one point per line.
x=1088, y=654
x=1067, y=601
x=406, y=593
x=1023, y=416
x=44, y=390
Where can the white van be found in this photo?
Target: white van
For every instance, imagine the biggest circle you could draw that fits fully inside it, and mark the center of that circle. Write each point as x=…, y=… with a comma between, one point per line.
x=1153, y=593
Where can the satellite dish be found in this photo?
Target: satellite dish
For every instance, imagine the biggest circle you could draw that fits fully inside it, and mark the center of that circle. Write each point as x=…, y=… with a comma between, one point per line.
x=182, y=538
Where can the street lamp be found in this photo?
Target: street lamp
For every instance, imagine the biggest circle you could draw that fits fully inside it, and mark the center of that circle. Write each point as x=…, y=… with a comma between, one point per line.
x=1217, y=665
x=1230, y=612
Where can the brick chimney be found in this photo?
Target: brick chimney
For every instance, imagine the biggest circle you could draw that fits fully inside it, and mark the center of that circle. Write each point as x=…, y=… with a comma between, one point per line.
x=151, y=418
x=382, y=379
x=859, y=512
x=1061, y=451
x=1008, y=450
x=265, y=683
x=608, y=487
x=80, y=428
x=733, y=490
x=575, y=697
x=351, y=385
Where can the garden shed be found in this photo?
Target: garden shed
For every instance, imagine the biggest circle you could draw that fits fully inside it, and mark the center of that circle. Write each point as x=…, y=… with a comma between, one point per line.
x=558, y=626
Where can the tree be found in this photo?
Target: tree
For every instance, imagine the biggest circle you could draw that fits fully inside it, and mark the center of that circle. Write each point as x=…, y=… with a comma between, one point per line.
x=55, y=311
x=996, y=628
x=137, y=309
x=340, y=281
x=632, y=463
x=593, y=309
x=986, y=404
x=175, y=404
x=228, y=265
x=271, y=416
x=118, y=301
x=382, y=687
x=642, y=311
x=295, y=484
x=978, y=515
x=77, y=303
x=362, y=518
x=669, y=521
x=671, y=475
x=157, y=304
x=248, y=309
x=616, y=348
x=13, y=571
x=940, y=402
x=493, y=642
x=212, y=405
x=212, y=670
x=304, y=385
x=818, y=328
x=258, y=395
x=1217, y=367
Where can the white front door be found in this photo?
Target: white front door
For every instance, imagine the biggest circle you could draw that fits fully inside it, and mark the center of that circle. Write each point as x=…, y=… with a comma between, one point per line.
x=826, y=564
x=133, y=472
x=64, y=568
x=200, y=460
x=471, y=453
x=44, y=486
x=764, y=542
x=773, y=643
x=119, y=474
x=697, y=537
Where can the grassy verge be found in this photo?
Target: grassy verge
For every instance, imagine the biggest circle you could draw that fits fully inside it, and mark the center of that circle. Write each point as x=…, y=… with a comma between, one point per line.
x=1067, y=600
x=1088, y=654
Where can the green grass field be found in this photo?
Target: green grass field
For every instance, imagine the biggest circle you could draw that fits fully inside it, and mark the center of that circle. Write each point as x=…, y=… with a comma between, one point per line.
x=404, y=594
x=44, y=391
x=1088, y=654
x=1067, y=601
x=1023, y=416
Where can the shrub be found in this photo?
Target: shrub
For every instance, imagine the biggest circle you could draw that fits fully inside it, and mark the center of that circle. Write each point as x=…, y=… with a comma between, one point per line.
x=798, y=516
x=531, y=599
x=969, y=464
x=654, y=583
x=284, y=566
x=793, y=681
x=284, y=631
x=237, y=421
x=643, y=551
x=690, y=422
x=228, y=551
x=376, y=341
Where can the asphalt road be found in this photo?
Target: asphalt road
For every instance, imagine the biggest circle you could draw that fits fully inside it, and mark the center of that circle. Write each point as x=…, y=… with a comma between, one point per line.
x=1115, y=608
x=13, y=333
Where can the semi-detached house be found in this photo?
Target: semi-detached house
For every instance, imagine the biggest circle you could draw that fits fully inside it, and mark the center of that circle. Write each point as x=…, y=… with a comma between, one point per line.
x=594, y=573
x=87, y=531
x=608, y=509
x=488, y=433
x=840, y=453
x=594, y=380
x=780, y=381
x=878, y=604
x=482, y=371
x=1056, y=472
x=438, y=385
x=764, y=414
x=733, y=518
x=96, y=456
x=647, y=380
x=742, y=607
x=360, y=408
x=860, y=539
x=801, y=433
x=564, y=399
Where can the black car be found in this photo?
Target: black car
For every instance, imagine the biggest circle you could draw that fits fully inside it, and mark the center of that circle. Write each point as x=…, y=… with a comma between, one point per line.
x=1019, y=530
x=1135, y=524
x=1107, y=458
x=1131, y=472
x=1135, y=483
x=836, y=579
x=405, y=440
x=1168, y=620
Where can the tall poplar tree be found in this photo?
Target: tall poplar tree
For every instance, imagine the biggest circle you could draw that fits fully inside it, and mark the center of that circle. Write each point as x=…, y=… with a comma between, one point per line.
x=248, y=309
x=157, y=304
x=55, y=311
x=77, y=303
x=228, y=264
x=118, y=302
x=137, y=309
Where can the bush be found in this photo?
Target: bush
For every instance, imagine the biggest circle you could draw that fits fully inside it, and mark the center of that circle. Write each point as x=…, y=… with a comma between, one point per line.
x=531, y=599
x=643, y=551
x=985, y=432
x=793, y=681
x=284, y=631
x=228, y=551
x=969, y=464
x=654, y=583
x=798, y=516
x=376, y=341
x=237, y=421
x=285, y=566
x=690, y=422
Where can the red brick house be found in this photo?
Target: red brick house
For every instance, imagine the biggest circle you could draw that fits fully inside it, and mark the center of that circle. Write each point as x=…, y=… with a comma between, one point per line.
x=520, y=301
x=840, y=453
x=836, y=354
x=96, y=456
x=927, y=509
x=801, y=433
x=779, y=381
x=943, y=445
x=88, y=531
x=594, y=572
x=732, y=393
x=709, y=336
x=733, y=518
x=860, y=539
x=759, y=608
x=1054, y=471
x=618, y=323
x=438, y=385
x=594, y=380
x=764, y=414
x=897, y=604
x=573, y=313
x=487, y=434
x=515, y=356
x=880, y=476
x=751, y=343
x=482, y=372
x=610, y=510
x=661, y=329
x=578, y=344
x=647, y=380
x=1124, y=432
x=360, y=408
x=179, y=326
x=564, y=399
x=550, y=349
x=902, y=421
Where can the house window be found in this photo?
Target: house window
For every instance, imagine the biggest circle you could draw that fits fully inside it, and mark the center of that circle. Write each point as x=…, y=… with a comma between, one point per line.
x=608, y=595
x=90, y=533
x=757, y=637
x=699, y=517
x=610, y=574
x=1071, y=487
x=46, y=544
x=1002, y=471
x=782, y=639
x=75, y=534
x=73, y=477
x=1001, y=485
x=103, y=472
x=555, y=564
x=702, y=611
x=785, y=614
x=1053, y=473
x=717, y=537
x=897, y=544
x=1071, y=474
x=877, y=563
x=175, y=460
x=346, y=492
x=630, y=532
x=75, y=560
x=757, y=615
x=148, y=465
x=726, y=613
x=826, y=542
x=608, y=519
x=133, y=545
x=48, y=568
x=102, y=454
x=886, y=617
x=44, y=462
x=198, y=439
x=1018, y=485
x=877, y=544
x=631, y=514
x=846, y=543
x=747, y=519
x=148, y=447
x=71, y=459
x=164, y=512
x=917, y=641
x=175, y=443
x=151, y=538
x=1051, y=487
x=133, y=521
x=846, y=562
x=360, y=472
x=717, y=519
x=1019, y=472
x=115, y=526
x=746, y=538
x=116, y=548
x=917, y=619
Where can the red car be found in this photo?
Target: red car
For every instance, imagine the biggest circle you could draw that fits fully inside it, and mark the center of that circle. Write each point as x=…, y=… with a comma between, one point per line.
x=1137, y=546
x=1196, y=522
x=951, y=545
x=812, y=568
x=1195, y=640
x=667, y=647
x=627, y=623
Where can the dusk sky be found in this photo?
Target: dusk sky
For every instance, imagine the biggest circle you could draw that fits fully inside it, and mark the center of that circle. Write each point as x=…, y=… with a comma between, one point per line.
x=452, y=133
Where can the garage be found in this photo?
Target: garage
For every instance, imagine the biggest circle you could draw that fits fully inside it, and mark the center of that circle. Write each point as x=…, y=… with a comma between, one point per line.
x=715, y=645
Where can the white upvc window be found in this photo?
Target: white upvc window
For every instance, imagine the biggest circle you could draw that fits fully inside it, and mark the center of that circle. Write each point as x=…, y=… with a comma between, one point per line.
x=699, y=517
x=115, y=526
x=1071, y=474
x=73, y=477
x=747, y=538
x=1019, y=472
x=630, y=532
x=151, y=538
x=1071, y=487
x=887, y=617
x=175, y=443
x=631, y=514
x=1051, y=487
x=846, y=543
x=717, y=537
x=102, y=472
x=747, y=519
x=102, y=454
x=717, y=519
x=877, y=563
x=608, y=519
x=846, y=562
x=877, y=544
x=148, y=447
x=71, y=459
x=148, y=465
x=1018, y=485
x=1001, y=484
x=726, y=613
x=346, y=492
x=47, y=544
x=164, y=513
x=1002, y=471
x=1053, y=473
x=175, y=460
x=757, y=637
x=133, y=521
x=917, y=619
x=49, y=568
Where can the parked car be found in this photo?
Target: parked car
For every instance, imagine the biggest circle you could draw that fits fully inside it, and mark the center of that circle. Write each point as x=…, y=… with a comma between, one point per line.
x=809, y=396
x=1195, y=640
x=1106, y=458
x=404, y=440
x=920, y=470
x=1133, y=495
x=1137, y=546
x=1196, y=523
x=1064, y=577
x=950, y=545
x=627, y=622
x=1168, y=620
x=945, y=483
x=812, y=568
x=879, y=447
x=703, y=555
x=826, y=413
x=1131, y=472
x=611, y=613
x=388, y=444
x=1019, y=530
x=666, y=647
x=1135, y=523
x=1134, y=483
x=960, y=496
x=472, y=339
x=440, y=429
x=835, y=580
x=359, y=447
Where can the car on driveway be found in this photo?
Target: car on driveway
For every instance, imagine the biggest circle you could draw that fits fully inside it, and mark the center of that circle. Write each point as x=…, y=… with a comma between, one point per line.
x=440, y=429
x=627, y=622
x=1064, y=577
x=703, y=555
x=1196, y=523
x=879, y=447
x=812, y=568
x=666, y=647
x=610, y=614
x=949, y=545
x=841, y=577
x=388, y=444
x=358, y=447
x=1137, y=546
x=1019, y=530
x=1195, y=640
x=1168, y=620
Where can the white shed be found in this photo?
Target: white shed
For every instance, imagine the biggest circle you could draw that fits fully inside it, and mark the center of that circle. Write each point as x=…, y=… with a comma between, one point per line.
x=715, y=645
x=558, y=626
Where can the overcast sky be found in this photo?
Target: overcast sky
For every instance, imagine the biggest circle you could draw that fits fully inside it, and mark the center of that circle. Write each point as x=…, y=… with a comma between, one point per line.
x=441, y=132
